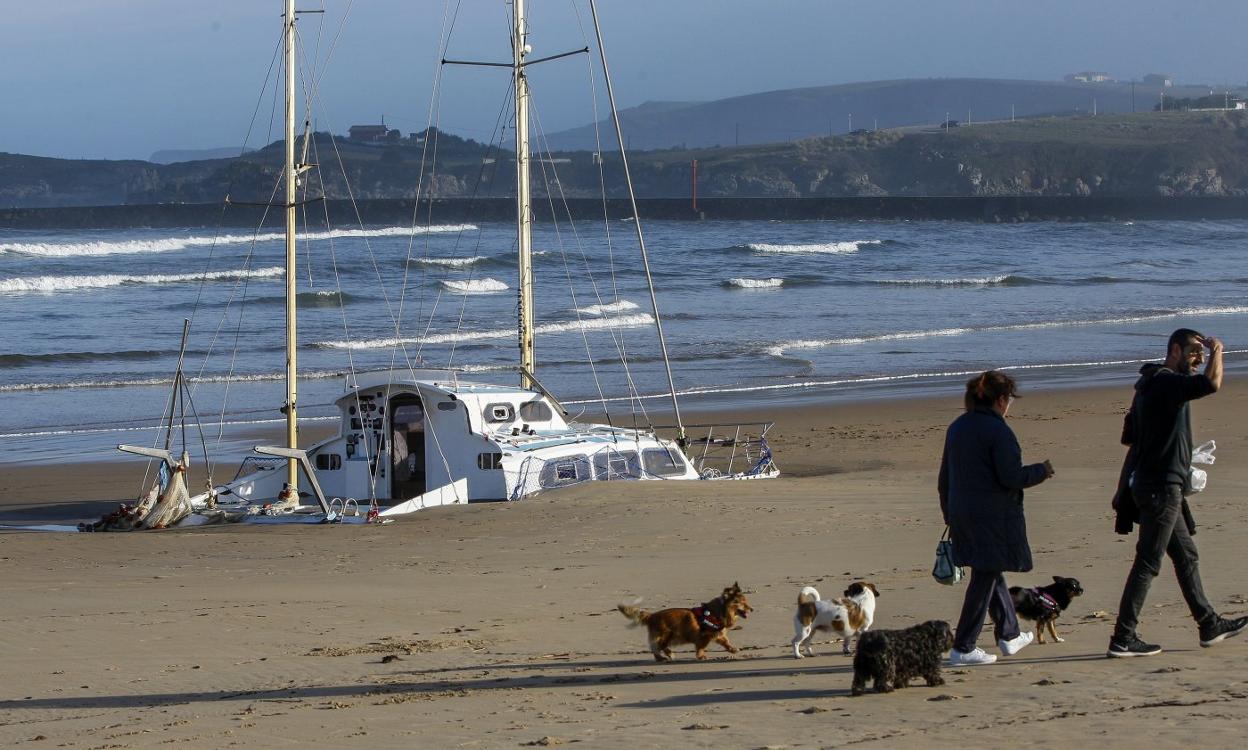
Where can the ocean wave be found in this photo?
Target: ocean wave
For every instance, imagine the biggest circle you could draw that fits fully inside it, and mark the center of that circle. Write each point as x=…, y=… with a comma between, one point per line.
x=473, y=286
x=172, y=244
x=450, y=262
x=779, y=350
x=621, y=321
x=166, y=380
x=608, y=307
x=101, y=281
x=773, y=283
x=17, y=359
x=826, y=248
x=983, y=281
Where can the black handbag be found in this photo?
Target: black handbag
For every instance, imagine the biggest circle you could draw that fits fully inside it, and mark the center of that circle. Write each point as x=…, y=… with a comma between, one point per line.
x=944, y=571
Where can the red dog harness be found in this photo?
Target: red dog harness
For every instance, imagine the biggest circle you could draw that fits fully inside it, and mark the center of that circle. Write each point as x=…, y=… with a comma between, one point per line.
x=707, y=622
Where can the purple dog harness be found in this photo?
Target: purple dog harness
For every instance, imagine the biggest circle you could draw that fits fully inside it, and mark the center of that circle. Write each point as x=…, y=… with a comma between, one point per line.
x=1047, y=601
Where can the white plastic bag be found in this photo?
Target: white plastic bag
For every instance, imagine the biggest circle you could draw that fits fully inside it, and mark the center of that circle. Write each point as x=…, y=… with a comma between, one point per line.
x=1202, y=455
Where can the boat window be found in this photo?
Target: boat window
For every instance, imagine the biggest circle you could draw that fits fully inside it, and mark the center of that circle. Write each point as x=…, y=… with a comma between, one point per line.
x=489, y=461
x=663, y=462
x=499, y=413
x=567, y=470
x=446, y=406
x=407, y=414
x=328, y=462
x=610, y=464
x=535, y=411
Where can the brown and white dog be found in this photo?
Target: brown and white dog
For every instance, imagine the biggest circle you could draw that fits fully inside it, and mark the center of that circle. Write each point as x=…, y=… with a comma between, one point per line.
x=695, y=625
x=851, y=614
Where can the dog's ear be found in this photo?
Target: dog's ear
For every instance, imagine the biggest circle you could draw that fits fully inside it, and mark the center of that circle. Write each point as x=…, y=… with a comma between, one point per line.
x=874, y=590
x=1058, y=579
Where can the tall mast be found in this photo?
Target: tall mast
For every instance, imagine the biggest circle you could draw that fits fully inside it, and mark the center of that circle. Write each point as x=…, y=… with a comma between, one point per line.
x=524, y=207
x=292, y=434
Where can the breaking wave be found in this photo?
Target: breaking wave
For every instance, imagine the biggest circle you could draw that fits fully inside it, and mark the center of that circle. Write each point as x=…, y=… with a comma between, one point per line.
x=827, y=248
x=171, y=244
x=608, y=307
x=166, y=381
x=984, y=281
x=773, y=283
x=102, y=281
x=474, y=286
x=621, y=321
x=779, y=350
x=450, y=262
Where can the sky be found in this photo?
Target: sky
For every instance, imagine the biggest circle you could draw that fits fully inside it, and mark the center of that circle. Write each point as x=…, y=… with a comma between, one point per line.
x=121, y=79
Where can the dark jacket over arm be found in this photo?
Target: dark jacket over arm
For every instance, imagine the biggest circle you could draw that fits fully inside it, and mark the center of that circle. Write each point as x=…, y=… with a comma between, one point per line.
x=981, y=483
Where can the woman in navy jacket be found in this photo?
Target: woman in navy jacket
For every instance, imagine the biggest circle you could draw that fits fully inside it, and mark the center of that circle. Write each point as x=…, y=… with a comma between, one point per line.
x=981, y=484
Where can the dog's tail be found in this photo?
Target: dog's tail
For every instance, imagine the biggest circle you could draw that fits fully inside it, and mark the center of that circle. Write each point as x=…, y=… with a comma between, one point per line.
x=636, y=614
x=809, y=595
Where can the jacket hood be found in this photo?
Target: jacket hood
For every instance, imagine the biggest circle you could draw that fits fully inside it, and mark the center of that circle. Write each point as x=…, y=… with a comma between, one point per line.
x=1147, y=372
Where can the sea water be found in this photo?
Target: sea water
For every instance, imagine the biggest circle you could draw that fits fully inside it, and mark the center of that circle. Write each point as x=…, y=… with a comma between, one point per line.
x=753, y=311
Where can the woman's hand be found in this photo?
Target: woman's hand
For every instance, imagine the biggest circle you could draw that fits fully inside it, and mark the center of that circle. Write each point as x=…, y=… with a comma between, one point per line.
x=1048, y=469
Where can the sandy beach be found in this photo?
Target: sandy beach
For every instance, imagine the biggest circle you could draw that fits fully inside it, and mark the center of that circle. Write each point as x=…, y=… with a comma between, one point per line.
x=502, y=616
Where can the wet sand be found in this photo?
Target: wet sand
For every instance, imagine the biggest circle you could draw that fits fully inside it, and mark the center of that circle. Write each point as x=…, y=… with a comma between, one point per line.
x=502, y=616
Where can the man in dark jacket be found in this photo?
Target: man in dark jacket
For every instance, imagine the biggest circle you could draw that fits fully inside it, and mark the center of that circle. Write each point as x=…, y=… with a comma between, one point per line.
x=1160, y=477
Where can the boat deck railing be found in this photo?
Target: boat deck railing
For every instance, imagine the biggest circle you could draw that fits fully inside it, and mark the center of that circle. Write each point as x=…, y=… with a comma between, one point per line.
x=727, y=449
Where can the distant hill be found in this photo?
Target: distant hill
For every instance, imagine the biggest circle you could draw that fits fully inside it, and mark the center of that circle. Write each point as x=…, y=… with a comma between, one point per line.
x=786, y=115
x=1195, y=153
x=172, y=156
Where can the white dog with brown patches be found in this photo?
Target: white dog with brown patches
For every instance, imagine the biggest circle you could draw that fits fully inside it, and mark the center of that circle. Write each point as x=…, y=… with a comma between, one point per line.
x=845, y=617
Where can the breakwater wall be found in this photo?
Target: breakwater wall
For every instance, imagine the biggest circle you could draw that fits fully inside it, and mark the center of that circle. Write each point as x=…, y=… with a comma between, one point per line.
x=441, y=211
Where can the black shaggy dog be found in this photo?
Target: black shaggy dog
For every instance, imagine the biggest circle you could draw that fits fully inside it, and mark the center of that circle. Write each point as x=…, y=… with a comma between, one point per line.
x=891, y=658
x=1044, y=604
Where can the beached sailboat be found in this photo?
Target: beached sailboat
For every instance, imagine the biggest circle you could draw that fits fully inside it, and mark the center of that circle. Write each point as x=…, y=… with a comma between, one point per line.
x=417, y=438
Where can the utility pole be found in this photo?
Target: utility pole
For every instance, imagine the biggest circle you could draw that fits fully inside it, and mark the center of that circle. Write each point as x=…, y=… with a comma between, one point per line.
x=1094, y=106
x=946, y=122
x=695, y=186
x=1011, y=113
x=851, y=122
x=875, y=124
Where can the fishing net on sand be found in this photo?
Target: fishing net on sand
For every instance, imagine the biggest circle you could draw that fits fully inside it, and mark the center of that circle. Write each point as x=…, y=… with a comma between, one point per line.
x=164, y=505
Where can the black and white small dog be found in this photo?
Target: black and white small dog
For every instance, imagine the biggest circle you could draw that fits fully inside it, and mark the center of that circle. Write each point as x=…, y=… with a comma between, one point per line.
x=891, y=658
x=1043, y=604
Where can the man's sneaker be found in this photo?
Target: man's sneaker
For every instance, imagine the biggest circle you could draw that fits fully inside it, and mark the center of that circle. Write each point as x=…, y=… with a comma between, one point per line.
x=1221, y=629
x=1132, y=646
x=970, y=658
x=1015, y=644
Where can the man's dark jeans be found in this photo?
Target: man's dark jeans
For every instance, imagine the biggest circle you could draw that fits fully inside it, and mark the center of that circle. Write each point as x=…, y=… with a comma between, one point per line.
x=1162, y=532
x=985, y=594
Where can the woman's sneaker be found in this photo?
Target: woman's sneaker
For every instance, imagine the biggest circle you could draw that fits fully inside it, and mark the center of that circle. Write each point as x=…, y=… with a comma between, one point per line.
x=970, y=658
x=1132, y=646
x=1221, y=629
x=1015, y=644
